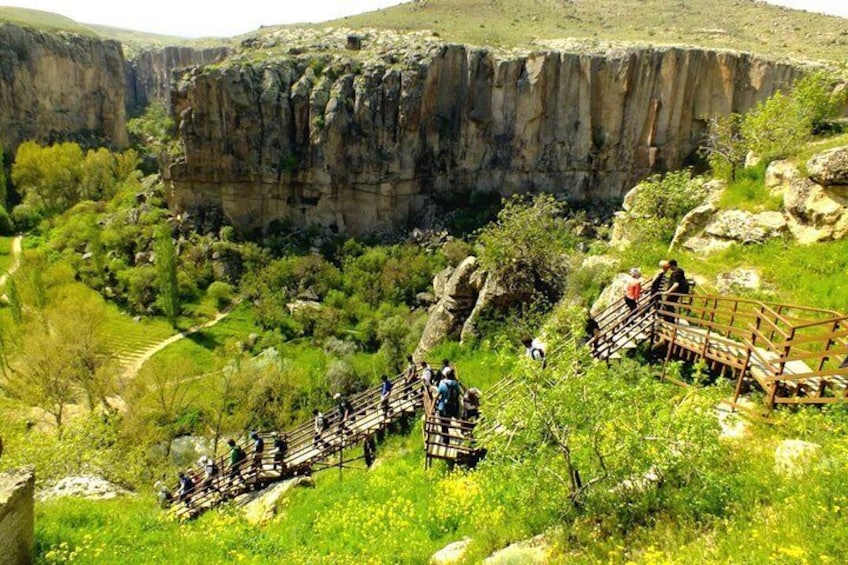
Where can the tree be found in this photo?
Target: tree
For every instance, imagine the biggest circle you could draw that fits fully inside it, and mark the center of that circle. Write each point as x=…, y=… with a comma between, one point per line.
x=529, y=239
x=97, y=175
x=724, y=145
x=3, y=188
x=48, y=177
x=166, y=275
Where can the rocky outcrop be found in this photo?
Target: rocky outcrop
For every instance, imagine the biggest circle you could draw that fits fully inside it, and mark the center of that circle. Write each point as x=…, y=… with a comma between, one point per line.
x=815, y=212
x=738, y=281
x=363, y=144
x=535, y=550
x=612, y=292
x=829, y=168
x=451, y=553
x=794, y=457
x=261, y=507
x=60, y=86
x=95, y=488
x=17, y=518
x=455, y=301
x=150, y=73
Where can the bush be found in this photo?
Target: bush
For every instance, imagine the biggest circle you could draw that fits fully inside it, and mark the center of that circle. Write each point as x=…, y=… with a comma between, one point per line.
x=26, y=216
x=221, y=293
x=7, y=226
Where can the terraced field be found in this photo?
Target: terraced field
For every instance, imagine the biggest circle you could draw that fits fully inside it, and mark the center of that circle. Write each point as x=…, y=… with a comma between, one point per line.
x=128, y=339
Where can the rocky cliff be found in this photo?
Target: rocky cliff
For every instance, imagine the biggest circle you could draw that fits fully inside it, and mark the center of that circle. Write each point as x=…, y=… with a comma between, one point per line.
x=17, y=516
x=150, y=72
x=59, y=85
x=363, y=142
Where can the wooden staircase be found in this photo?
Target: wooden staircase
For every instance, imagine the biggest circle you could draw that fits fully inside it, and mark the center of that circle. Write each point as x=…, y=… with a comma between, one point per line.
x=305, y=450
x=796, y=354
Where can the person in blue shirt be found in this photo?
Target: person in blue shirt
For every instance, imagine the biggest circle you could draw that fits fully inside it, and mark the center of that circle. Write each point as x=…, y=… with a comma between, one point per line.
x=385, y=391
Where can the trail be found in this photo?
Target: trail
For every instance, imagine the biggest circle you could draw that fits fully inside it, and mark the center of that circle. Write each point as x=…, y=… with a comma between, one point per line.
x=16, y=256
x=138, y=362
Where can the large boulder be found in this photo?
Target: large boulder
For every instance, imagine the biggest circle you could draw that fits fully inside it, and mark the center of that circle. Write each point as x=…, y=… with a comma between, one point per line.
x=829, y=167
x=693, y=223
x=745, y=227
x=612, y=292
x=17, y=515
x=779, y=174
x=533, y=550
x=814, y=212
x=261, y=507
x=455, y=302
x=451, y=553
x=85, y=486
x=495, y=294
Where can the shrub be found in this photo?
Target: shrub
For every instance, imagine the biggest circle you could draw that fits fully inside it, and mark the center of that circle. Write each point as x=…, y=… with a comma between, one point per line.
x=221, y=293
x=7, y=226
x=26, y=216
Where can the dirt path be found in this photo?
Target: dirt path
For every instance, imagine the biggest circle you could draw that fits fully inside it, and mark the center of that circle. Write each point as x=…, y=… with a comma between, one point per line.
x=16, y=259
x=135, y=366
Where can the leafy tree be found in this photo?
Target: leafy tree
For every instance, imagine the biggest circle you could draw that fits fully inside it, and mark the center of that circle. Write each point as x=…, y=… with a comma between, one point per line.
x=724, y=146
x=166, y=276
x=48, y=177
x=777, y=127
x=97, y=175
x=3, y=188
x=7, y=226
x=529, y=240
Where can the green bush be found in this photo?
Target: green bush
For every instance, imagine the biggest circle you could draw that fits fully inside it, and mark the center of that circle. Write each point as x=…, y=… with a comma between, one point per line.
x=7, y=226
x=26, y=216
x=221, y=293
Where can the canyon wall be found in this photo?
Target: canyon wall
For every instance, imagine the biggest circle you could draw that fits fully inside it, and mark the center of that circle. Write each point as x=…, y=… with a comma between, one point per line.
x=364, y=145
x=59, y=86
x=150, y=72
x=17, y=517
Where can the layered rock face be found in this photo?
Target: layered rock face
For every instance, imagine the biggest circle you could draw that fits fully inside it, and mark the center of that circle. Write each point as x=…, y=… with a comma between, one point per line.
x=17, y=517
x=58, y=85
x=363, y=145
x=150, y=73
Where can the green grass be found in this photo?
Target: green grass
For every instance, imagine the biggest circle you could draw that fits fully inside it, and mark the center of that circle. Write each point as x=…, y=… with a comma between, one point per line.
x=749, y=26
x=801, y=158
x=749, y=193
x=38, y=19
x=6, y=258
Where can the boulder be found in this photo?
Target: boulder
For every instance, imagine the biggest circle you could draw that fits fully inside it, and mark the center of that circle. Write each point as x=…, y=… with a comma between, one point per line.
x=495, y=294
x=440, y=281
x=706, y=245
x=740, y=279
x=612, y=292
x=745, y=227
x=456, y=300
x=186, y=450
x=261, y=507
x=693, y=223
x=451, y=553
x=17, y=515
x=829, y=167
x=86, y=486
x=794, y=457
x=533, y=550
x=779, y=174
x=752, y=160
x=814, y=212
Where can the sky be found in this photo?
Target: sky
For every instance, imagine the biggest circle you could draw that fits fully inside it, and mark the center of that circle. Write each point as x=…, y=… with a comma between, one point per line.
x=227, y=18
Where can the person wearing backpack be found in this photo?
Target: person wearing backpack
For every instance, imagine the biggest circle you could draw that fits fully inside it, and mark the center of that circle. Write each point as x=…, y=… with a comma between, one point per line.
x=678, y=285
x=448, y=402
x=281, y=447
x=186, y=488
x=535, y=350
x=321, y=425
x=345, y=409
x=385, y=391
x=210, y=472
x=258, y=451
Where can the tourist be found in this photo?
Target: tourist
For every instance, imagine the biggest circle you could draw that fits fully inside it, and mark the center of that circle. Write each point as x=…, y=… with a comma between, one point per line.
x=678, y=286
x=210, y=472
x=633, y=290
x=237, y=458
x=321, y=424
x=411, y=376
x=281, y=447
x=471, y=404
x=426, y=374
x=186, y=488
x=535, y=350
x=385, y=391
x=258, y=449
x=345, y=408
x=448, y=401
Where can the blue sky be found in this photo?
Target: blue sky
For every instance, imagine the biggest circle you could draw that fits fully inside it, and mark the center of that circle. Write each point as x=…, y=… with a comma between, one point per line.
x=192, y=18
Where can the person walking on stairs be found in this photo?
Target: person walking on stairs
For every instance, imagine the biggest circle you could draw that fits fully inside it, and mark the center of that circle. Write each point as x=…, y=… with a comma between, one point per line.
x=281, y=447
x=633, y=290
x=258, y=453
x=678, y=285
x=448, y=402
x=535, y=350
x=385, y=392
x=321, y=424
x=345, y=409
x=237, y=459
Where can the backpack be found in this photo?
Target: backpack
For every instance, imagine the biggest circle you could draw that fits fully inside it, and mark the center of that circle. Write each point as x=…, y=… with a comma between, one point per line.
x=240, y=455
x=683, y=287
x=212, y=469
x=322, y=422
x=452, y=401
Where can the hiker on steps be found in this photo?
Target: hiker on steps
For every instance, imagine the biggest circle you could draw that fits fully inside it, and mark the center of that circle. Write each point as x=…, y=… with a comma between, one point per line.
x=385, y=391
x=210, y=472
x=448, y=400
x=258, y=452
x=633, y=290
x=411, y=376
x=678, y=285
x=345, y=409
x=186, y=488
x=321, y=425
x=281, y=447
x=237, y=458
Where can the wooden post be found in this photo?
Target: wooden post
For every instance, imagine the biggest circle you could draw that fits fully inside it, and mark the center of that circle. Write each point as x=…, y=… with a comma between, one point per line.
x=741, y=376
x=668, y=353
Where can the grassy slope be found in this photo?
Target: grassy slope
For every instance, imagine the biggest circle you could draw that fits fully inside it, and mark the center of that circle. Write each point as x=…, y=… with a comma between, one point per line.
x=736, y=24
x=5, y=252
x=42, y=20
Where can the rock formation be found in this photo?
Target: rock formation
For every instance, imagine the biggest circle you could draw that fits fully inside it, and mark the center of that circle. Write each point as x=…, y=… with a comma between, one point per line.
x=17, y=518
x=58, y=86
x=363, y=140
x=150, y=73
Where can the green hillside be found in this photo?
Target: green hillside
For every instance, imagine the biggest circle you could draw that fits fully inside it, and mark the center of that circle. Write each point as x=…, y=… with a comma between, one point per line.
x=37, y=19
x=737, y=24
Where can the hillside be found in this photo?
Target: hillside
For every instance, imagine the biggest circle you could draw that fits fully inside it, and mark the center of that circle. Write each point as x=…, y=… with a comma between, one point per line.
x=735, y=24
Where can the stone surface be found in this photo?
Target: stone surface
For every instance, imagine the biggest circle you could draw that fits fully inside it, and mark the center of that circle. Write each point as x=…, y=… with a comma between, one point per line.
x=536, y=550
x=451, y=553
x=261, y=507
x=494, y=294
x=829, y=167
x=732, y=425
x=693, y=223
x=741, y=279
x=91, y=487
x=455, y=302
x=814, y=212
x=186, y=450
x=745, y=227
x=780, y=174
x=17, y=518
x=612, y=292
x=794, y=457
x=366, y=145
x=150, y=73
x=59, y=86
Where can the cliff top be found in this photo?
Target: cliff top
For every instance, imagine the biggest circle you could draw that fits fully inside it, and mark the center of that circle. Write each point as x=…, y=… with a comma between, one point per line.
x=745, y=25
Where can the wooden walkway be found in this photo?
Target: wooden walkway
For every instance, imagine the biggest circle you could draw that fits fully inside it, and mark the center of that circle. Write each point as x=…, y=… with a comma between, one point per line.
x=796, y=354
x=306, y=451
